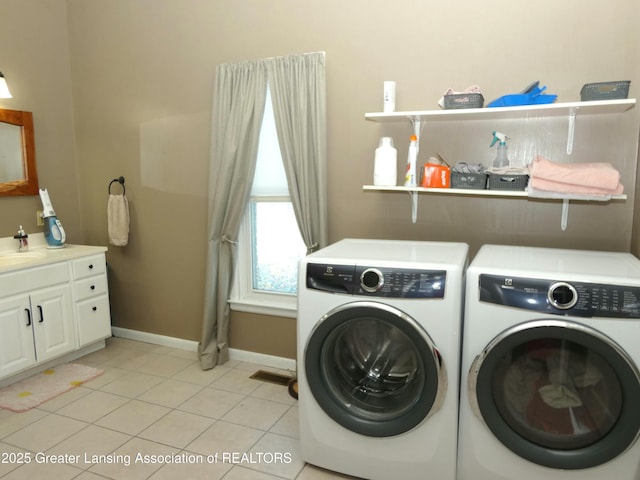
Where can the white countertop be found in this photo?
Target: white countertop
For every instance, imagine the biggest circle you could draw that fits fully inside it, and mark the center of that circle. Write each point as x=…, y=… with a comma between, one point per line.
x=39, y=253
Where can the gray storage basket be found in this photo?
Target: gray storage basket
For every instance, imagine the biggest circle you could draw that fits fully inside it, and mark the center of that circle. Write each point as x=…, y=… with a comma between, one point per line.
x=605, y=91
x=507, y=182
x=471, y=181
x=463, y=100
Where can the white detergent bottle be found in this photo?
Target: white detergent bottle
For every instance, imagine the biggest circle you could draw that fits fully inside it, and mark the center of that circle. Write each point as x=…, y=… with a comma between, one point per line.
x=385, y=169
x=410, y=175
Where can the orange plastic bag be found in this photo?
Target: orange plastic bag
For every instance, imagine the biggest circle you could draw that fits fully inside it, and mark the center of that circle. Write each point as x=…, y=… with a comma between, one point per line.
x=436, y=176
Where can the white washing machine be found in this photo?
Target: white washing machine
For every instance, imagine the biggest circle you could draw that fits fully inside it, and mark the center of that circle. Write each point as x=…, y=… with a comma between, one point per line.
x=551, y=348
x=379, y=327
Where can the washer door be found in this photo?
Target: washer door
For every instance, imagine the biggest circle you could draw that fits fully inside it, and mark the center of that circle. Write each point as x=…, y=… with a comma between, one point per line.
x=373, y=369
x=558, y=394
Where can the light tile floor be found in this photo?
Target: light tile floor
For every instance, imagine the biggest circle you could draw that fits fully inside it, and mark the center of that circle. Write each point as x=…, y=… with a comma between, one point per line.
x=155, y=414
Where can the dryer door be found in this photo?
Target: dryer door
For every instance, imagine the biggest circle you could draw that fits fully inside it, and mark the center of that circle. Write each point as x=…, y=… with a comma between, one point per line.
x=557, y=393
x=373, y=369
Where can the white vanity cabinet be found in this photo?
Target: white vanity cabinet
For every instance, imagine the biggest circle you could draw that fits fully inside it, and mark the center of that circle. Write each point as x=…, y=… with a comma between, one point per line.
x=36, y=317
x=92, y=299
x=54, y=306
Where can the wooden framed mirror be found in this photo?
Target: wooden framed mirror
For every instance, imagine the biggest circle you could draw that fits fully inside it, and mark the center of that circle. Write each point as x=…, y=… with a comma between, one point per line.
x=18, y=174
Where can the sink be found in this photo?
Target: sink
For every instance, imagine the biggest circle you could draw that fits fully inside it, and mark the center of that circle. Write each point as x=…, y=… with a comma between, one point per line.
x=17, y=258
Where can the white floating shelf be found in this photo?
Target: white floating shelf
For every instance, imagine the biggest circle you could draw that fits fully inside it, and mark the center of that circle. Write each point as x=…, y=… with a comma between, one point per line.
x=415, y=191
x=450, y=191
x=548, y=110
x=481, y=193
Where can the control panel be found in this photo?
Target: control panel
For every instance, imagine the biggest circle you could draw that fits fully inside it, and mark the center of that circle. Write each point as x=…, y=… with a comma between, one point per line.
x=562, y=298
x=376, y=281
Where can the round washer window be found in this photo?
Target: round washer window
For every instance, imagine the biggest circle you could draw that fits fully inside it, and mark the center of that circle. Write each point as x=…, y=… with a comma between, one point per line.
x=373, y=369
x=559, y=394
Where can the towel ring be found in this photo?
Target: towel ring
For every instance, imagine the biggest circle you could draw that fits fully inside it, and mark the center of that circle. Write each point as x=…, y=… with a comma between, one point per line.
x=120, y=180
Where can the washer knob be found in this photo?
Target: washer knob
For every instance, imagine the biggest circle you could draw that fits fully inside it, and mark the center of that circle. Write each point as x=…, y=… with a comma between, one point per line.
x=562, y=295
x=371, y=280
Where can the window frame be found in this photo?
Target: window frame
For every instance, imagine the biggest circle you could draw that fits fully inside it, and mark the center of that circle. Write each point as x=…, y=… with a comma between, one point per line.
x=243, y=297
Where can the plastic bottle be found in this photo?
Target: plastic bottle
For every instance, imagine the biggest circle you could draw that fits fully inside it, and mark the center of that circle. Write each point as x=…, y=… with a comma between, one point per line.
x=410, y=175
x=385, y=169
x=501, y=158
x=389, y=97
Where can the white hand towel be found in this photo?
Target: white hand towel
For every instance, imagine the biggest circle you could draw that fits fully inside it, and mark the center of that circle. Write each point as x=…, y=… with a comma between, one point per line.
x=118, y=220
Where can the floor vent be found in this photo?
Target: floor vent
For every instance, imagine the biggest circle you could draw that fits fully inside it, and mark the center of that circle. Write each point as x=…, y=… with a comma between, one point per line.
x=271, y=377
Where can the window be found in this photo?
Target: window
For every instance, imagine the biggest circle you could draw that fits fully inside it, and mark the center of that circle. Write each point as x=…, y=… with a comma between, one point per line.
x=269, y=243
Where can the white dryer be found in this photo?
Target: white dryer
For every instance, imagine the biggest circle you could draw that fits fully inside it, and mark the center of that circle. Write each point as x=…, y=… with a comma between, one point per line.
x=551, y=348
x=379, y=327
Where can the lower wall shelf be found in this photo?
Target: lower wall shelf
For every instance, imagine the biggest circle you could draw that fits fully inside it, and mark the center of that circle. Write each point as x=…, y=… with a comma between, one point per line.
x=414, y=191
x=484, y=193
x=449, y=191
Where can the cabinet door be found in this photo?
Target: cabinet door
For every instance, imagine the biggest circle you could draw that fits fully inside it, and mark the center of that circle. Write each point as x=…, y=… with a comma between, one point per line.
x=16, y=336
x=94, y=320
x=53, y=322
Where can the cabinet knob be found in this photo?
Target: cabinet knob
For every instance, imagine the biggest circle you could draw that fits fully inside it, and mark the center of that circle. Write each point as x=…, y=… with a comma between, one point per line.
x=91, y=266
x=94, y=309
x=28, y=316
x=92, y=287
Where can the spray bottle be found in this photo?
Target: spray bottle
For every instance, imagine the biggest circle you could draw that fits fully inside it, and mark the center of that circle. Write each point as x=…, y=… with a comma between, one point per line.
x=501, y=158
x=412, y=157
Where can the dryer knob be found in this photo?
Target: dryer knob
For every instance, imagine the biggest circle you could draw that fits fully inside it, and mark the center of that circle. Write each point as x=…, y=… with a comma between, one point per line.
x=562, y=295
x=371, y=280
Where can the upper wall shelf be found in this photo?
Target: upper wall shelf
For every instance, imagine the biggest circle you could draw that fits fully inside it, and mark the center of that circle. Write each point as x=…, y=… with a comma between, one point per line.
x=569, y=109
x=549, y=110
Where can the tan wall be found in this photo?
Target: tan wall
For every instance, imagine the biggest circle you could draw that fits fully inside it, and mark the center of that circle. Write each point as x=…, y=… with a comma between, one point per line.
x=34, y=58
x=142, y=73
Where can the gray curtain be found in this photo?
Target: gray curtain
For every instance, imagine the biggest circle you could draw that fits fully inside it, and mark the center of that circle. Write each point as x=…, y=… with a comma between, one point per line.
x=298, y=93
x=238, y=107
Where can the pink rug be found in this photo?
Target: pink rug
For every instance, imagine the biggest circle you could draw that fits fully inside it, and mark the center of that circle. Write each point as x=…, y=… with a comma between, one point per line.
x=35, y=390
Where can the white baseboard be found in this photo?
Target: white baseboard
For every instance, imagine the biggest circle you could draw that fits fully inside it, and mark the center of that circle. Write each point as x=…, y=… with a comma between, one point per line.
x=263, y=359
x=192, y=346
x=155, y=339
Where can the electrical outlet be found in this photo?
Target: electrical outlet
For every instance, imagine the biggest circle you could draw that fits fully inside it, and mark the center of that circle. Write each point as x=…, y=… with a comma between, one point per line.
x=39, y=219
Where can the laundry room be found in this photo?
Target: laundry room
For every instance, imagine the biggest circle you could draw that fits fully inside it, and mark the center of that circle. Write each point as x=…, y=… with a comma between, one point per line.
x=126, y=88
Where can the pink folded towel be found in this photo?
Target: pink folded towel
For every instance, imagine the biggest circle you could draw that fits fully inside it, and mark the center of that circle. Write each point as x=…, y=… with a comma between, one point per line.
x=559, y=187
x=595, y=175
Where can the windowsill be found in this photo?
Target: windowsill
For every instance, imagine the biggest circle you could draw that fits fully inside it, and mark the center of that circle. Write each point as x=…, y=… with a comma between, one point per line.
x=276, y=309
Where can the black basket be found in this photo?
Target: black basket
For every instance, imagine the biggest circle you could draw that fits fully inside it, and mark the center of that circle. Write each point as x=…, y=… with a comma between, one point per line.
x=463, y=100
x=605, y=91
x=507, y=182
x=471, y=181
